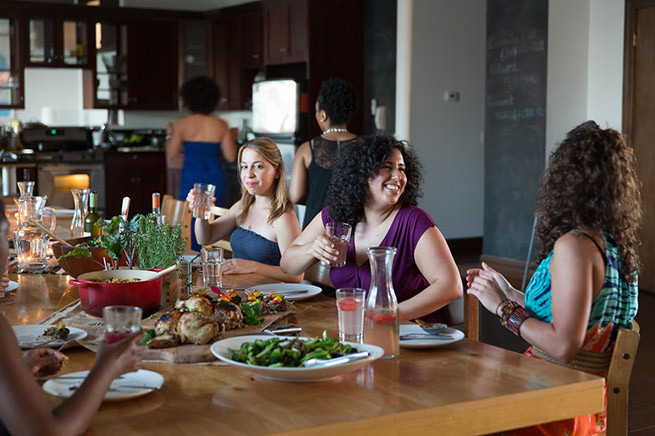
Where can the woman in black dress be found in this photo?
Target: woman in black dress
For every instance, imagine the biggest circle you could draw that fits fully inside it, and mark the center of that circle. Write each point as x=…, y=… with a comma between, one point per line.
x=312, y=166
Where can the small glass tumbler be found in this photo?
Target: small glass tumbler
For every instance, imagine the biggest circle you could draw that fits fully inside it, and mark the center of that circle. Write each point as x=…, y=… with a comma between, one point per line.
x=350, y=308
x=212, y=266
x=339, y=234
x=26, y=188
x=205, y=193
x=121, y=321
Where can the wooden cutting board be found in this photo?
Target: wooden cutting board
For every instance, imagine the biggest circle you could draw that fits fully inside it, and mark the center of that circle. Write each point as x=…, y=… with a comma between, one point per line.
x=189, y=353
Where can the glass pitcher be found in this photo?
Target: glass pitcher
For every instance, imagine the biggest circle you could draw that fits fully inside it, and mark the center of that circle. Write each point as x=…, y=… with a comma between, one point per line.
x=31, y=242
x=81, y=198
x=381, y=312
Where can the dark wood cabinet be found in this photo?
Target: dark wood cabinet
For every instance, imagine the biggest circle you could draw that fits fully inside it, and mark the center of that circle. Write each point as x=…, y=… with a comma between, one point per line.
x=285, y=31
x=238, y=54
x=152, y=65
x=195, y=50
x=57, y=42
x=11, y=69
x=136, y=175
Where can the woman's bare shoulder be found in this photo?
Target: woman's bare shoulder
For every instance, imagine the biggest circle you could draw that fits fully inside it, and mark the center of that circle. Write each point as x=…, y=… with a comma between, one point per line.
x=286, y=219
x=576, y=244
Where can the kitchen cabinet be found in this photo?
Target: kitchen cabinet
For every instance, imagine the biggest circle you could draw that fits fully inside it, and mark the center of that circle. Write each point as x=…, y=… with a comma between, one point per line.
x=136, y=175
x=238, y=50
x=57, y=42
x=105, y=85
x=136, y=66
x=11, y=70
x=285, y=31
x=152, y=65
x=195, y=48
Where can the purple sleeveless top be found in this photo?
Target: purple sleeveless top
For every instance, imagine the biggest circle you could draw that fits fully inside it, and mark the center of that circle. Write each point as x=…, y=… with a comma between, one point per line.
x=407, y=227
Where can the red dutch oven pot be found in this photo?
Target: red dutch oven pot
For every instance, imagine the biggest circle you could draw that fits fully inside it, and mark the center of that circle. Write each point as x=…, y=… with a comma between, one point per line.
x=94, y=296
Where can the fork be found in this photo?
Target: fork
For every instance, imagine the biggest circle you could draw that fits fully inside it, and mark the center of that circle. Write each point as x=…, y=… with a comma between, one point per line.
x=336, y=361
x=424, y=336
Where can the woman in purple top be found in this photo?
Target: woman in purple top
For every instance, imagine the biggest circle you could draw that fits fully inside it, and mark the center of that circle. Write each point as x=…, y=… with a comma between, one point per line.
x=374, y=188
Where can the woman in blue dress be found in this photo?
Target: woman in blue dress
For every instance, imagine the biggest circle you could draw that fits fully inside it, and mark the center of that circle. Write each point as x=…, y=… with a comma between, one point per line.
x=201, y=143
x=262, y=224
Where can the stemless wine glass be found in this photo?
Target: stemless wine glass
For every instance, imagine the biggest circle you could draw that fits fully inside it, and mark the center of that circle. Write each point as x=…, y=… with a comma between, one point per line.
x=205, y=193
x=121, y=321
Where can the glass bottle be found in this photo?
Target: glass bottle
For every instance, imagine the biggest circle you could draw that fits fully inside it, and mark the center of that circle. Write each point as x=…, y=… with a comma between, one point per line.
x=81, y=198
x=90, y=227
x=381, y=312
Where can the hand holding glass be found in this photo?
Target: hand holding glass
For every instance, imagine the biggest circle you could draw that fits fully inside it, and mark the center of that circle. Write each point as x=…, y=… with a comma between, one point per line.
x=339, y=234
x=350, y=308
x=121, y=321
x=212, y=266
x=204, y=192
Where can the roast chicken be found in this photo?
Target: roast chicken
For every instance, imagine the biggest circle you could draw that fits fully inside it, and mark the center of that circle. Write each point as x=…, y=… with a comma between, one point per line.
x=197, y=320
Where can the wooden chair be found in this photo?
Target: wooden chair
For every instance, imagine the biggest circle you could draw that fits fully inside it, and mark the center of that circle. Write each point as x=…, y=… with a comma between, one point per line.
x=618, y=380
x=177, y=211
x=223, y=243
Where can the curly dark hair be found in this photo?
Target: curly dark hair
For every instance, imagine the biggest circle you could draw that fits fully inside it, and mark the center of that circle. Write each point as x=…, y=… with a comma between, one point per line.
x=591, y=182
x=200, y=94
x=338, y=99
x=359, y=161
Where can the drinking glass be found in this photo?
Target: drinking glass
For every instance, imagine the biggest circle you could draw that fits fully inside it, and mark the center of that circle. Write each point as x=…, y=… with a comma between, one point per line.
x=26, y=188
x=121, y=321
x=339, y=234
x=350, y=308
x=212, y=266
x=205, y=193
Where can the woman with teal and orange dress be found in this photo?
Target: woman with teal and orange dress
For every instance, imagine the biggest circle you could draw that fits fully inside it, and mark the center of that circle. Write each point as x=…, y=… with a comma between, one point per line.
x=585, y=287
x=201, y=143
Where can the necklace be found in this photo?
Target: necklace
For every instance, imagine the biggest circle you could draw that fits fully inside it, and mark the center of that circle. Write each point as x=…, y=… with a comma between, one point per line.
x=334, y=129
x=255, y=218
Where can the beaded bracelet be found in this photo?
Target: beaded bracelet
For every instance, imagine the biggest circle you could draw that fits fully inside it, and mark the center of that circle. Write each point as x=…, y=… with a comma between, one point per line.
x=512, y=317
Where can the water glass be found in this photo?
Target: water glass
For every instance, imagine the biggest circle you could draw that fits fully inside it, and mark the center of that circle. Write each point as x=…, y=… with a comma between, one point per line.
x=121, y=321
x=350, y=308
x=212, y=266
x=204, y=194
x=26, y=188
x=339, y=234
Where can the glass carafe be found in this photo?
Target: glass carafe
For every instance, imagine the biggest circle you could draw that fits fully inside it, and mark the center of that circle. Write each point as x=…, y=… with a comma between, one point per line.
x=381, y=313
x=81, y=198
x=31, y=242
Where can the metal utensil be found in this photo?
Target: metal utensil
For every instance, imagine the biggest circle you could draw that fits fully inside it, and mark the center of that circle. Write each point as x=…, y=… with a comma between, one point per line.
x=336, y=361
x=410, y=336
x=68, y=377
x=282, y=330
x=294, y=292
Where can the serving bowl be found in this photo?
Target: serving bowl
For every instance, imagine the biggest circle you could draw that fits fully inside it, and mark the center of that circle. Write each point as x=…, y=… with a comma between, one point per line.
x=94, y=296
x=76, y=265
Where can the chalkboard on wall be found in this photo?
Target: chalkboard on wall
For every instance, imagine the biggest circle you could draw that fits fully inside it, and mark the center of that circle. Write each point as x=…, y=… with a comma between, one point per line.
x=515, y=129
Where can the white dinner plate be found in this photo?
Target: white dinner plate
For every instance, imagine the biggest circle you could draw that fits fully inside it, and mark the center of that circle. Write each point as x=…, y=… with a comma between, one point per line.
x=129, y=385
x=221, y=350
x=312, y=290
x=448, y=336
x=12, y=286
x=31, y=336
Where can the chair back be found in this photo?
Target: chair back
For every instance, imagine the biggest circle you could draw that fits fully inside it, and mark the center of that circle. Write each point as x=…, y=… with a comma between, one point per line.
x=618, y=379
x=223, y=243
x=177, y=211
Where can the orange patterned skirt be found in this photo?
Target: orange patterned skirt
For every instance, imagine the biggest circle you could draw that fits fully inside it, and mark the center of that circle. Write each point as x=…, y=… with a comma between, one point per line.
x=597, y=340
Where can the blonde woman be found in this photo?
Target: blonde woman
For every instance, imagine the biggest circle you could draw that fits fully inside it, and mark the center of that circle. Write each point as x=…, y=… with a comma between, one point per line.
x=262, y=223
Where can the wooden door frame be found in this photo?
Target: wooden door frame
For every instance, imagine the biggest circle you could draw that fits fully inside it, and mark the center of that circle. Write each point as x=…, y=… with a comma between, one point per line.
x=631, y=9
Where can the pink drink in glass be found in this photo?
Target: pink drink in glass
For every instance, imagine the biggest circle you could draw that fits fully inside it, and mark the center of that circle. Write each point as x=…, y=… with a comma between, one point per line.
x=350, y=309
x=381, y=329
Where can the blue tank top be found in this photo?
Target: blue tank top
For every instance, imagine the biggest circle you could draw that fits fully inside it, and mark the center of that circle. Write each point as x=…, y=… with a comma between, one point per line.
x=249, y=245
x=616, y=303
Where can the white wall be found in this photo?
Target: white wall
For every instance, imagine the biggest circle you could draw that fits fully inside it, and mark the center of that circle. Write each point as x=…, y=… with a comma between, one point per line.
x=568, y=46
x=585, y=65
x=605, y=85
x=449, y=55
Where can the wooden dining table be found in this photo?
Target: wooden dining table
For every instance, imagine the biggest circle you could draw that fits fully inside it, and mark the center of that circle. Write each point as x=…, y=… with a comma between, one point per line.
x=463, y=388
